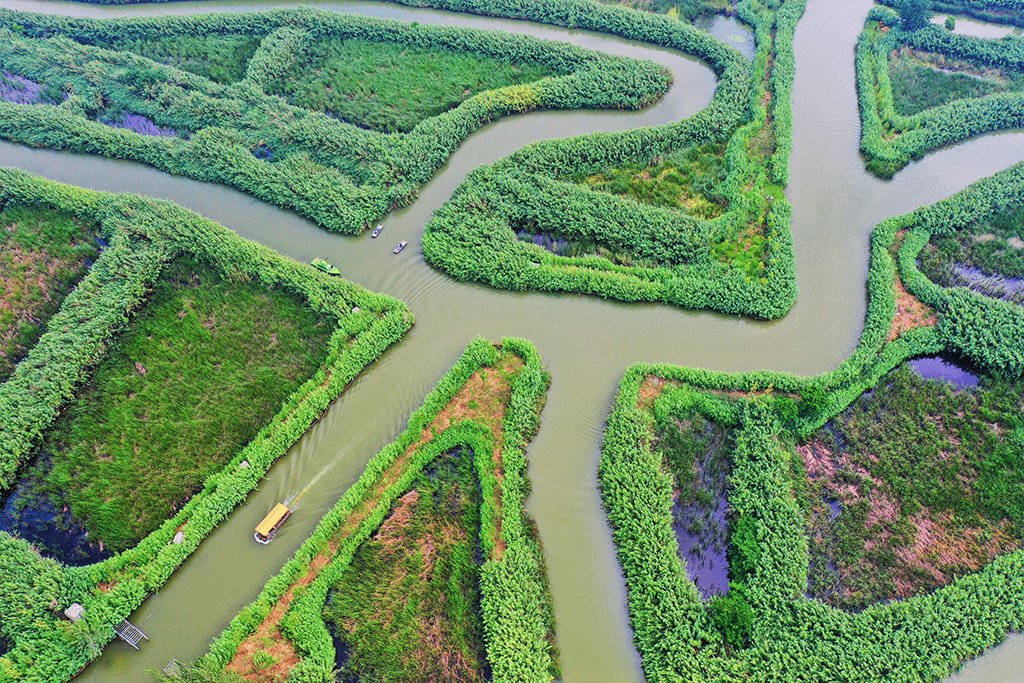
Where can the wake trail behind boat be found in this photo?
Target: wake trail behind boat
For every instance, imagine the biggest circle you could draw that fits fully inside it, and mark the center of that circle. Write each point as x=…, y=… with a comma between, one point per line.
x=292, y=501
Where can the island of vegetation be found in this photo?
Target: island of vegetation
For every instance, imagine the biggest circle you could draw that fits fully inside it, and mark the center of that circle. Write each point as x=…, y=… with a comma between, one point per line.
x=874, y=519
x=278, y=103
x=429, y=567
x=865, y=524
x=212, y=355
x=922, y=86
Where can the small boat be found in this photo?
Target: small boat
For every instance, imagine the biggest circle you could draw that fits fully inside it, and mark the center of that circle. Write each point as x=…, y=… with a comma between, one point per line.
x=266, y=529
x=320, y=264
x=400, y=247
x=376, y=231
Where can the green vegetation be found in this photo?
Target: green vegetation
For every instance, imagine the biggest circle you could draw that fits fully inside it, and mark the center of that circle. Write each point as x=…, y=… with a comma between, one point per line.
x=993, y=247
x=696, y=452
x=508, y=386
x=518, y=224
x=202, y=368
x=687, y=10
x=221, y=57
x=408, y=604
x=919, y=83
x=928, y=478
x=128, y=105
x=43, y=253
x=907, y=111
x=685, y=181
x=995, y=11
x=144, y=237
x=914, y=14
x=923, y=474
x=392, y=87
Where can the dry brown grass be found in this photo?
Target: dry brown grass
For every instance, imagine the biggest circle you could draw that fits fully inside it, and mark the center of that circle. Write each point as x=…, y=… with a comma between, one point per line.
x=268, y=637
x=910, y=312
x=484, y=399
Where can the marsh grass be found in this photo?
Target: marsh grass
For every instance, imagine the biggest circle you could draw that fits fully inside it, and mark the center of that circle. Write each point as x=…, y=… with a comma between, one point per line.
x=408, y=605
x=696, y=451
x=391, y=87
x=221, y=57
x=203, y=367
x=927, y=479
x=921, y=81
x=994, y=246
x=685, y=180
x=43, y=253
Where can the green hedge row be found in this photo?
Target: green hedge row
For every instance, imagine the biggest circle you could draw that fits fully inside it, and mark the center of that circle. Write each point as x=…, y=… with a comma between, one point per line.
x=515, y=602
x=473, y=237
x=340, y=176
x=922, y=638
x=995, y=11
x=144, y=234
x=890, y=141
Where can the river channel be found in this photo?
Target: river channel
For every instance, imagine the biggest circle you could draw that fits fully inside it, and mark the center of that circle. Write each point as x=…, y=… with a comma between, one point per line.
x=586, y=343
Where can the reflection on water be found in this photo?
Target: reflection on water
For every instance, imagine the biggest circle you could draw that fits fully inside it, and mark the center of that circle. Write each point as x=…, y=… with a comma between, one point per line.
x=942, y=369
x=730, y=31
x=979, y=29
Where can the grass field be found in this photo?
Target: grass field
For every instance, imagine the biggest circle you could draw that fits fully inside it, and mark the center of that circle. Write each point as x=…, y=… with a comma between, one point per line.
x=43, y=252
x=922, y=81
x=921, y=478
x=408, y=605
x=391, y=87
x=204, y=366
x=684, y=181
x=220, y=57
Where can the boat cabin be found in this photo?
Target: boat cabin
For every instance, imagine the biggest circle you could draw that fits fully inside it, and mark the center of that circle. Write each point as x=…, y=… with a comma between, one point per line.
x=266, y=529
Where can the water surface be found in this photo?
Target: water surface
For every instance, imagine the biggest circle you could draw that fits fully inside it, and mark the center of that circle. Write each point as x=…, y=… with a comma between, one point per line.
x=586, y=343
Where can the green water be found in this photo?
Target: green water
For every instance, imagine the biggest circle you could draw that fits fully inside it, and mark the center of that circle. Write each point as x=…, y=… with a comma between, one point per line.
x=586, y=343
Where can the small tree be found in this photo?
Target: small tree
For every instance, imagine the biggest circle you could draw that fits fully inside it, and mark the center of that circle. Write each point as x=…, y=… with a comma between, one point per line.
x=914, y=14
x=950, y=23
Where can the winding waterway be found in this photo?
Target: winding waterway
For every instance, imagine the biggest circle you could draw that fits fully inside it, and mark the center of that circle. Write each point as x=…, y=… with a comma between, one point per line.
x=586, y=343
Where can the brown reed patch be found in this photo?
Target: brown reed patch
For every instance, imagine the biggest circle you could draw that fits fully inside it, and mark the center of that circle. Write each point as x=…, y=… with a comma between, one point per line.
x=484, y=399
x=910, y=312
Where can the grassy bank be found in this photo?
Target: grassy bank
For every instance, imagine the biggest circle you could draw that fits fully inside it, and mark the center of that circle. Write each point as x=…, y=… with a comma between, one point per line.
x=202, y=368
x=391, y=87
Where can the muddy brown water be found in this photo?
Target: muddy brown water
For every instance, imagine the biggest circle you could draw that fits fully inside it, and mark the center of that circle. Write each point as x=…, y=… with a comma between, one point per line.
x=586, y=343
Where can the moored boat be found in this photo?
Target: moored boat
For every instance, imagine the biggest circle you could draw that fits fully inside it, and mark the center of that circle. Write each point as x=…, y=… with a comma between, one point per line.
x=326, y=267
x=376, y=231
x=266, y=529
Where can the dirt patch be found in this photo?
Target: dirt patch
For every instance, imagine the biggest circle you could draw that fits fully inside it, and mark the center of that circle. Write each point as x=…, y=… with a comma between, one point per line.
x=650, y=389
x=910, y=312
x=279, y=651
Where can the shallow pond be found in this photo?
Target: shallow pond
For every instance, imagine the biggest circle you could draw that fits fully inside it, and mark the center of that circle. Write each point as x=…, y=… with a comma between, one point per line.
x=942, y=369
